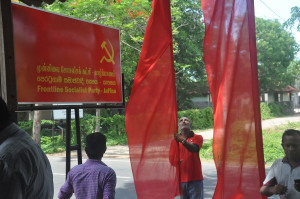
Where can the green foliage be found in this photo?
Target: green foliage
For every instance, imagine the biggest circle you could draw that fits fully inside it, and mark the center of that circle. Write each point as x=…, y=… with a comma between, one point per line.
x=113, y=127
x=294, y=20
x=52, y=146
x=114, y=139
x=200, y=119
x=188, y=37
x=276, y=49
x=272, y=144
x=272, y=141
x=272, y=110
x=26, y=126
x=265, y=111
x=277, y=109
x=206, y=151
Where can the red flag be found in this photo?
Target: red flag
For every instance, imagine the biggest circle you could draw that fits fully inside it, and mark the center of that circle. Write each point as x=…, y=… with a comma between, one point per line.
x=151, y=114
x=231, y=63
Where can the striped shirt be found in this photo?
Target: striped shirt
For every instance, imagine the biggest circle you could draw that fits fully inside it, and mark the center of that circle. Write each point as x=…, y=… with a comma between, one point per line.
x=91, y=180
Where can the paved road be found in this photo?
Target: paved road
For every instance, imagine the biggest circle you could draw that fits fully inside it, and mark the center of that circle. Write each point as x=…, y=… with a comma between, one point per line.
x=125, y=186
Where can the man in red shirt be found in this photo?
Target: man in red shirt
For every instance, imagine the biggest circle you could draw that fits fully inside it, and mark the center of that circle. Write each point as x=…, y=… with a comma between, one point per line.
x=190, y=164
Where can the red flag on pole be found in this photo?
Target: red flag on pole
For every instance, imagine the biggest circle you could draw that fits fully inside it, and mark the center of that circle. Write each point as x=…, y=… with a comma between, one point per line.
x=231, y=63
x=151, y=114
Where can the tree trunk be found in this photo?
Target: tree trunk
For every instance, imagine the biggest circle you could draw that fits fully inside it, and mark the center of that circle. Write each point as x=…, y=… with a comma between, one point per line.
x=30, y=115
x=98, y=113
x=36, y=129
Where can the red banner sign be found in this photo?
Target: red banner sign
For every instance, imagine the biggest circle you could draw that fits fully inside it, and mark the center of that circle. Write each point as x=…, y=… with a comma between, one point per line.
x=61, y=59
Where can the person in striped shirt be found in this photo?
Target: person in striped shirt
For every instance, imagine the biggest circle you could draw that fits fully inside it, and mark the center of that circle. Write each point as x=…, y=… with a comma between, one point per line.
x=93, y=179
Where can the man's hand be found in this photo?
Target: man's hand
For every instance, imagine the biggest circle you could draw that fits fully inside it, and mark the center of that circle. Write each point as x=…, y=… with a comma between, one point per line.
x=297, y=186
x=279, y=189
x=273, y=190
x=178, y=137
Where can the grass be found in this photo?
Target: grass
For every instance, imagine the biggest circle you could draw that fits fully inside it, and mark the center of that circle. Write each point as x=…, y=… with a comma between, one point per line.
x=271, y=143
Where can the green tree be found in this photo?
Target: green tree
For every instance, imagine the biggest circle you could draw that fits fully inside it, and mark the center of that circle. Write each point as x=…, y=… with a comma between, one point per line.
x=276, y=49
x=188, y=36
x=294, y=19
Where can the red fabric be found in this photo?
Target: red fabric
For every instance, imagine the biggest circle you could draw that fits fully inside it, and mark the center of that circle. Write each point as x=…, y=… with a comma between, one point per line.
x=190, y=166
x=231, y=63
x=151, y=114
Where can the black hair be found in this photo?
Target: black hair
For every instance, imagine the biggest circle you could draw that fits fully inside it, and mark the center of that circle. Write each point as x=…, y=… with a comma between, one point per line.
x=290, y=132
x=95, y=145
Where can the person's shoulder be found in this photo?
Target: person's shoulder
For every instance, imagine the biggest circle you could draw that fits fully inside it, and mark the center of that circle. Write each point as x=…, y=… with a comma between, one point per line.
x=277, y=162
x=111, y=170
x=107, y=168
x=198, y=136
x=77, y=169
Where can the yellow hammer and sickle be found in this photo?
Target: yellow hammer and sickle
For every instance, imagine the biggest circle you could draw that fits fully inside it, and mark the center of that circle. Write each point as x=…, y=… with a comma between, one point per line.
x=110, y=55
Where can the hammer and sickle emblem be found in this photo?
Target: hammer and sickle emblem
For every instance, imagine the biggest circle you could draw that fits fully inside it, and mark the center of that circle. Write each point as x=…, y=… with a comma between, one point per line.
x=110, y=55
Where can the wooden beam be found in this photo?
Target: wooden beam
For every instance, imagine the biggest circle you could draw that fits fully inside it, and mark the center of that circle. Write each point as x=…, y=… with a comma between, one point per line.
x=7, y=56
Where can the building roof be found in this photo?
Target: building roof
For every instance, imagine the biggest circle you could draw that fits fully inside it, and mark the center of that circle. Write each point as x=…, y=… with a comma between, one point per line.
x=287, y=89
x=38, y=3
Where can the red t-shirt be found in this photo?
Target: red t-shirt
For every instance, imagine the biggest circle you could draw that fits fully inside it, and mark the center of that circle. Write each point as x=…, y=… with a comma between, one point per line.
x=190, y=164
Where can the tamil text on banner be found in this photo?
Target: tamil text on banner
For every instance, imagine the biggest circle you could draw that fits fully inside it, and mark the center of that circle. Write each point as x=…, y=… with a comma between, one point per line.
x=231, y=63
x=61, y=59
x=151, y=114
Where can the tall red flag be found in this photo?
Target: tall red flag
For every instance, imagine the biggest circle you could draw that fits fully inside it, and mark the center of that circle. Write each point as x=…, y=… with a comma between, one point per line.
x=231, y=63
x=151, y=114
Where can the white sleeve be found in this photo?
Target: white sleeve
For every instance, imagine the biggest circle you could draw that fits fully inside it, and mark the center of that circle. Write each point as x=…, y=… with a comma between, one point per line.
x=273, y=170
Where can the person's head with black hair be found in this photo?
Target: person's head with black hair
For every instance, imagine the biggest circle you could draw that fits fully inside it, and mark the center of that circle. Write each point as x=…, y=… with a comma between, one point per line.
x=95, y=145
x=5, y=117
x=290, y=132
x=291, y=145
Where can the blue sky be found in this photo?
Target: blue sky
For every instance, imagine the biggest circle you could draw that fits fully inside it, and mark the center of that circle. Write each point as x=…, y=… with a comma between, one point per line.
x=277, y=9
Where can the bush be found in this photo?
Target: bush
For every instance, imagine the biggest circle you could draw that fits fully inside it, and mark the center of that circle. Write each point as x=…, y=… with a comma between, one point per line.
x=200, y=119
x=52, y=146
x=265, y=111
x=113, y=128
x=26, y=126
x=277, y=109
